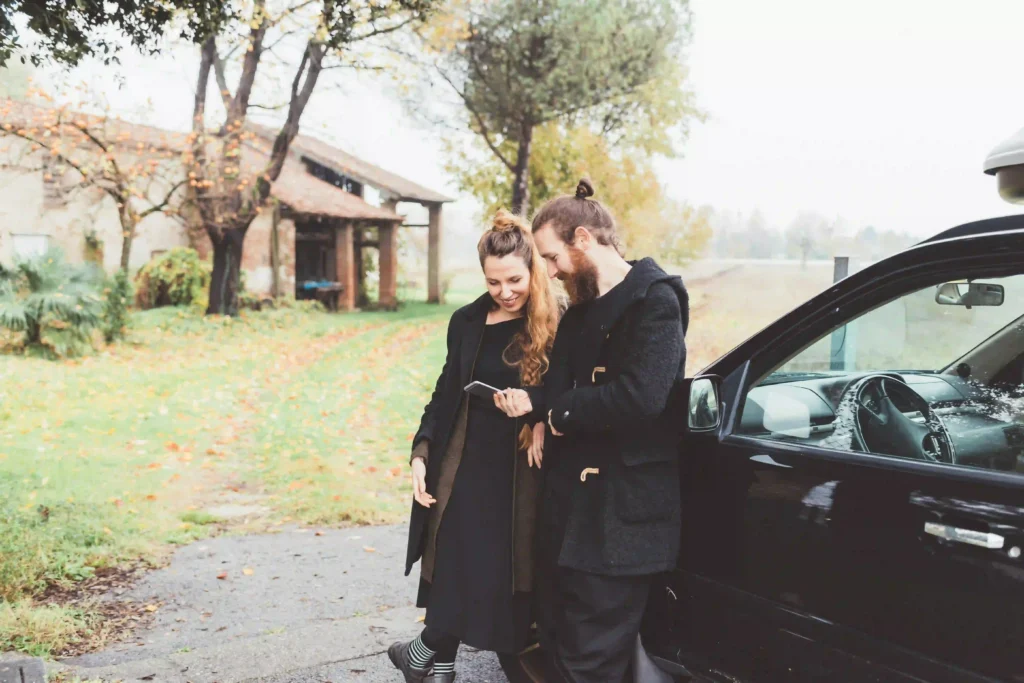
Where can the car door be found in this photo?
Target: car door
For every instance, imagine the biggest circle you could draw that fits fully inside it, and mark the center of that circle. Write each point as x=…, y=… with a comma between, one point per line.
x=807, y=558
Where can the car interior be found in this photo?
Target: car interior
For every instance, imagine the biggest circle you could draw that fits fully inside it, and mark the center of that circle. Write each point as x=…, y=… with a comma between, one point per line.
x=935, y=375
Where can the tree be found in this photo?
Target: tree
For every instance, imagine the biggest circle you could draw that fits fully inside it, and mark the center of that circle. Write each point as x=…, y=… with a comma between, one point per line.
x=519, y=65
x=98, y=156
x=760, y=240
x=228, y=182
x=67, y=32
x=626, y=183
x=804, y=236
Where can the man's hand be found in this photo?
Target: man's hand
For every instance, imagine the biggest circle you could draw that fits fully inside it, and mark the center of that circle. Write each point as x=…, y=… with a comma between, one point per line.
x=419, y=483
x=535, y=453
x=553, y=430
x=513, y=402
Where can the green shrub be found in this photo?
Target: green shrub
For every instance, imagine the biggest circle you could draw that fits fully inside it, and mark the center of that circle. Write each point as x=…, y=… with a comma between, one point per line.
x=176, y=278
x=118, y=297
x=54, y=305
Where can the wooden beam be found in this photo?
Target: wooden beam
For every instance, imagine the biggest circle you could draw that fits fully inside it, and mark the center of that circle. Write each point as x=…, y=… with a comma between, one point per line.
x=434, y=295
x=388, y=266
x=275, y=251
x=345, y=267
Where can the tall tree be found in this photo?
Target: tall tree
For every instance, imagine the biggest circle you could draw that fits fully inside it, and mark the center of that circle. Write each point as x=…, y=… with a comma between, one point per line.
x=68, y=31
x=228, y=191
x=652, y=223
x=518, y=65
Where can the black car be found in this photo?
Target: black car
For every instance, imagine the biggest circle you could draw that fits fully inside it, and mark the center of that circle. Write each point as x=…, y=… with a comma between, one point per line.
x=853, y=483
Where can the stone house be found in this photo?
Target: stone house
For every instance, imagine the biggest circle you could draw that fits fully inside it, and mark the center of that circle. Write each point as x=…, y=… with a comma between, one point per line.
x=331, y=206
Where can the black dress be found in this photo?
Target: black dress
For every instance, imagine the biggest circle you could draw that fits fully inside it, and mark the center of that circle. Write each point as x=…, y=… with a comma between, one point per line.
x=471, y=596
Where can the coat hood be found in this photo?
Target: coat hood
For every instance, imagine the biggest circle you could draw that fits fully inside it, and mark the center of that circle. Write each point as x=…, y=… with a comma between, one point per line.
x=645, y=273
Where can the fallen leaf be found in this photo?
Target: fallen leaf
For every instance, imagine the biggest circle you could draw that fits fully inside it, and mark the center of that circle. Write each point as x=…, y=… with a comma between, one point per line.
x=248, y=571
x=151, y=608
x=223, y=575
x=369, y=549
x=420, y=618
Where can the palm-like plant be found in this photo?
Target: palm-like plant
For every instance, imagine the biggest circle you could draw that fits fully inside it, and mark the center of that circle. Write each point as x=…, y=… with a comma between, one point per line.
x=55, y=304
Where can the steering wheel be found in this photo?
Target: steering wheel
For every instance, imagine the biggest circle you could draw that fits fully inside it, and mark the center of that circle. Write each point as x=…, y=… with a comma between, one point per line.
x=879, y=426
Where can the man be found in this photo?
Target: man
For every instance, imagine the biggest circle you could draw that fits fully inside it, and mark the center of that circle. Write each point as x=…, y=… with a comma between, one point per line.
x=611, y=517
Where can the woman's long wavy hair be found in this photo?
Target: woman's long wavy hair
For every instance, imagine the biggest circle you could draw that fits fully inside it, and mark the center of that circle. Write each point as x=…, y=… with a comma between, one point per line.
x=530, y=348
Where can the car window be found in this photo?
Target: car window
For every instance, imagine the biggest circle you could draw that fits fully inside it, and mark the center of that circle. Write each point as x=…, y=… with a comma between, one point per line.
x=934, y=375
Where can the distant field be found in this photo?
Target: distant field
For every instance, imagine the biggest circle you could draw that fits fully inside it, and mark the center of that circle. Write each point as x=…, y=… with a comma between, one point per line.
x=730, y=302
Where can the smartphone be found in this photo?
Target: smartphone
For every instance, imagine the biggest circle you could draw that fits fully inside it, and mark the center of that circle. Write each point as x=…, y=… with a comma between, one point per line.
x=482, y=390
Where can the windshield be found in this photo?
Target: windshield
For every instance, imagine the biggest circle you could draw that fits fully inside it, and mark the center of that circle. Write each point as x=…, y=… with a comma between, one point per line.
x=911, y=333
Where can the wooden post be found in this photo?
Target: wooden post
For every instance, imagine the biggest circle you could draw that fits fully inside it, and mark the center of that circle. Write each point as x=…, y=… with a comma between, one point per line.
x=388, y=265
x=345, y=267
x=842, y=339
x=434, y=294
x=275, y=251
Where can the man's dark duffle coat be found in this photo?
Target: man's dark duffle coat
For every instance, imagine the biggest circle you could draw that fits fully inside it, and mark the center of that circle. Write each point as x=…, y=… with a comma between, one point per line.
x=612, y=498
x=440, y=440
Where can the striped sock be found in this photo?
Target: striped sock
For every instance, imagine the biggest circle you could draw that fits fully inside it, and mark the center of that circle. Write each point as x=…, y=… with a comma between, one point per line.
x=441, y=668
x=420, y=655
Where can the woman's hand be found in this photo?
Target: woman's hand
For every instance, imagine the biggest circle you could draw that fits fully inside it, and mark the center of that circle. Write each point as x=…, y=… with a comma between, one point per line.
x=535, y=453
x=419, y=483
x=513, y=402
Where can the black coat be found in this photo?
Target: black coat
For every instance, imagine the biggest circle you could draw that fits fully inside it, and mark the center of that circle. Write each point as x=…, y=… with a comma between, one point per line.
x=442, y=435
x=623, y=422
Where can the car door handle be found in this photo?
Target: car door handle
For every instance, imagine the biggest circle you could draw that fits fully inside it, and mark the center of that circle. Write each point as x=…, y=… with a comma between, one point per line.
x=982, y=539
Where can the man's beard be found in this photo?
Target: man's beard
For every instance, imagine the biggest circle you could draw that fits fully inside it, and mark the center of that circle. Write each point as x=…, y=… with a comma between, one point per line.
x=581, y=284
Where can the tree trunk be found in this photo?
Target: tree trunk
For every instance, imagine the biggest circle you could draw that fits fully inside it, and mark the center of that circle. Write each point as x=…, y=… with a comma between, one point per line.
x=521, y=181
x=128, y=232
x=224, y=282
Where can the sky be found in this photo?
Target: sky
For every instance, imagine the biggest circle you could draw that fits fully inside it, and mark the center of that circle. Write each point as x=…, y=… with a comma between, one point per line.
x=878, y=111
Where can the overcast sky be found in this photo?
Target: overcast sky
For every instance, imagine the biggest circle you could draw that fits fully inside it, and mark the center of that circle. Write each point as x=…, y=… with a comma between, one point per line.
x=879, y=111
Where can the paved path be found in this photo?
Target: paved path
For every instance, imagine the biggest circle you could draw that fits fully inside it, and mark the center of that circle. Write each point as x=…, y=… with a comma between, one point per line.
x=297, y=606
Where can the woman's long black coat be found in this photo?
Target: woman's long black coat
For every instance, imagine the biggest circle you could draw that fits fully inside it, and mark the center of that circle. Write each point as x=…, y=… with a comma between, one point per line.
x=437, y=427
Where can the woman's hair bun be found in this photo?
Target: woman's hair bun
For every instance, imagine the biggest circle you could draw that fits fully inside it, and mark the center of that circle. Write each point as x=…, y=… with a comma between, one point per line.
x=584, y=189
x=505, y=221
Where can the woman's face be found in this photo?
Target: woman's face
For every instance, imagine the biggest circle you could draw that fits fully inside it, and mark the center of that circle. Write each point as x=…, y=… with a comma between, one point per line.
x=508, y=281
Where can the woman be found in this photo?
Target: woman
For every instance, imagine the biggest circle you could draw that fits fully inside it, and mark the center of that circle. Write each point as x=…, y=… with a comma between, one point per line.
x=476, y=475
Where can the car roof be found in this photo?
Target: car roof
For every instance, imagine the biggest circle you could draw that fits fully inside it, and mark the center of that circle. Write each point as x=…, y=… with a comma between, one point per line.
x=990, y=225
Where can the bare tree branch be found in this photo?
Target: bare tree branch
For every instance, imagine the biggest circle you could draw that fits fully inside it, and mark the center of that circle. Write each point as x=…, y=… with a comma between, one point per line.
x=386, y=30
x=167, y=200
x=222, y=81
x=484, y=131
x=240, y=102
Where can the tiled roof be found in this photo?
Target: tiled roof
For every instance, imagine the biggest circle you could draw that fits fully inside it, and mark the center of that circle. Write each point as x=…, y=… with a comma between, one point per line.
x=295, y=187
x=357, y=169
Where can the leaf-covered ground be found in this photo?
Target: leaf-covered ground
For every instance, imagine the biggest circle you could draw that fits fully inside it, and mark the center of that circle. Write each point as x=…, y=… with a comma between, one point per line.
x=119, y=456
x=115, y=456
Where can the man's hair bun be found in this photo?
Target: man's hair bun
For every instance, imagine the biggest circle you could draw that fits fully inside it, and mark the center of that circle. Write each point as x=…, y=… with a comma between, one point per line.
x=584, y=189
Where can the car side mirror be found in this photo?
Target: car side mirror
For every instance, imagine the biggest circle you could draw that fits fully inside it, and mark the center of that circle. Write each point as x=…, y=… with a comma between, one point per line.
x=969, y=294
x=703, y=410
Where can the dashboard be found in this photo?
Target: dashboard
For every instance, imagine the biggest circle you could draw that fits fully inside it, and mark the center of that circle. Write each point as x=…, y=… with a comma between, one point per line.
x=986, y=425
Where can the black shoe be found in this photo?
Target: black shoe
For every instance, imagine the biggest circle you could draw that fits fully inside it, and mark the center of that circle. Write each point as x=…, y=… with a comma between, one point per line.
x=398, y=653
x=440, y=678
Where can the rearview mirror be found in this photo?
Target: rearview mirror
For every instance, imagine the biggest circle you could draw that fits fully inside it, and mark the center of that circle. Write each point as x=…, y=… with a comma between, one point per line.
x=969, y=294
x=703, y=414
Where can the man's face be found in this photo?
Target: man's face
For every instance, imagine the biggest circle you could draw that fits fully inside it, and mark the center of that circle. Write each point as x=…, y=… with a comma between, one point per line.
x=568, y=263
x=554, y=251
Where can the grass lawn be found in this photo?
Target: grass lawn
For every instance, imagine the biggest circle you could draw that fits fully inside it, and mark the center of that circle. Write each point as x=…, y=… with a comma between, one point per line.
x=113, y=457
x=117, y=456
